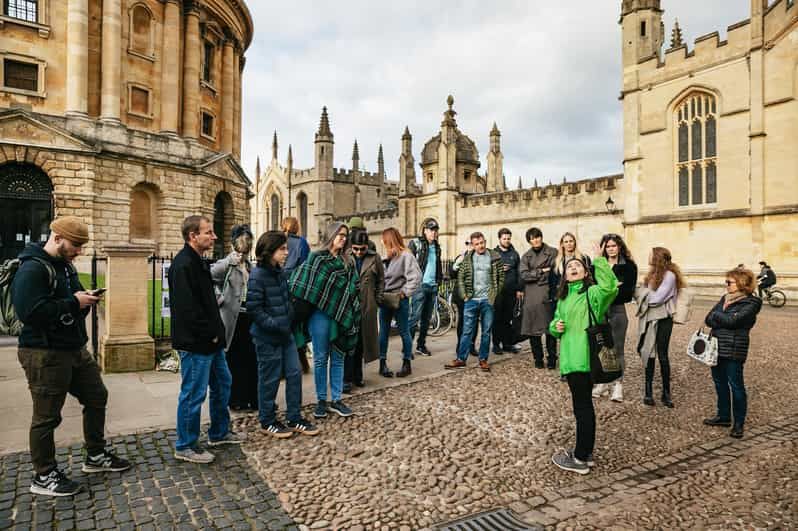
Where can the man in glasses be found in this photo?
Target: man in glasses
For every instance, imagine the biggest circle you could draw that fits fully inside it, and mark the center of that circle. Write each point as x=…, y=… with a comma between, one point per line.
x=428, y=253
x=198, y=335
x=52, y=305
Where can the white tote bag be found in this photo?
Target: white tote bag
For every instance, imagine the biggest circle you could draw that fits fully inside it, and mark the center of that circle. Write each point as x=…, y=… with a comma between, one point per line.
x=703, y=347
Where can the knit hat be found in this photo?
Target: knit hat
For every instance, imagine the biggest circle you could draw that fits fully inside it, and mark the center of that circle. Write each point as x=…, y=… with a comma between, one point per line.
x=71, y=228
x=331, y=232
x=238, y=230
x=356, y=222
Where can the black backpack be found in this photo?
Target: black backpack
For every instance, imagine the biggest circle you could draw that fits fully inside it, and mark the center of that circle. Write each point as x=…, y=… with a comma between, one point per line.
x=9, y=324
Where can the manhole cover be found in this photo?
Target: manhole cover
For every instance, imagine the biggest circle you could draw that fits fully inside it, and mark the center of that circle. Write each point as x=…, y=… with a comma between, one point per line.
x=498, y=520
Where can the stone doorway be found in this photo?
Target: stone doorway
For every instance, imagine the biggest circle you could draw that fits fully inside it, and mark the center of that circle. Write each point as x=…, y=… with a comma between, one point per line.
x=26, y=207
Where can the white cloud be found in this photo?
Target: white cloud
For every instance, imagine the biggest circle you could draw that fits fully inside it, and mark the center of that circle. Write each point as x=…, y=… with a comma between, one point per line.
x=548, y=74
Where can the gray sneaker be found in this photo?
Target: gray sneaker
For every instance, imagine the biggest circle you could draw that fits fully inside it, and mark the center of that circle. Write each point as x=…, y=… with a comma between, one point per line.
x=194, y=455
x=231, y=438
x=565, y=460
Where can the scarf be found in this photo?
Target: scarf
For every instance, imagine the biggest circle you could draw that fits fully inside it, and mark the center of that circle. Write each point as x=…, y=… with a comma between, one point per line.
x=728, y=299
x=327, y=283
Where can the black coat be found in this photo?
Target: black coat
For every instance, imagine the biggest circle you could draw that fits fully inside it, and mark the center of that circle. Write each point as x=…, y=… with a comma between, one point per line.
x=420, y=249
x=626, y=273
x=50, y=319
x=269, y=306
x=512, y=281
x=732, y=326
x=196, y=323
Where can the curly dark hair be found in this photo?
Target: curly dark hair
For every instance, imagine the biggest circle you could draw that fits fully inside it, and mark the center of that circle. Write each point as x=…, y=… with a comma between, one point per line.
x=623, y=249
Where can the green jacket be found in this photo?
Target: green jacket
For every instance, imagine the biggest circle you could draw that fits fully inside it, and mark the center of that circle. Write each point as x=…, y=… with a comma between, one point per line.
x=465, y=276
x=572, y=310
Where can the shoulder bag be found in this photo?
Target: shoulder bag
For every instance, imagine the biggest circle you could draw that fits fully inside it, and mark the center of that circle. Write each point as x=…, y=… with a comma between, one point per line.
x=703, y=348
x=604, y=364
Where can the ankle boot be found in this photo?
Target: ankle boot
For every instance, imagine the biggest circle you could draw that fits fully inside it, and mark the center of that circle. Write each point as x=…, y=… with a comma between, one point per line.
x=384, y=370
x=665, y=368
x=405, y=370
x=648, y=399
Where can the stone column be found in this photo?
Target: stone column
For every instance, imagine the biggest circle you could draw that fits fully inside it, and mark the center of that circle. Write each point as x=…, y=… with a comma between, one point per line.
x=77, y=64
x=111, y=60
x=127, y=345
x=170, y=65
x=237, y=65
x=191, y=69
x=228, y=95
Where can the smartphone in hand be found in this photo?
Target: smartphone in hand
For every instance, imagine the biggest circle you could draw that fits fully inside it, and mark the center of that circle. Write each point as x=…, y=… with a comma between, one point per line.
x=96, y=292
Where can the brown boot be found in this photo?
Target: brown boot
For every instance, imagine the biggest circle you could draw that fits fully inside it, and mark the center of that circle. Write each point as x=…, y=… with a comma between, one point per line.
x=455, y=364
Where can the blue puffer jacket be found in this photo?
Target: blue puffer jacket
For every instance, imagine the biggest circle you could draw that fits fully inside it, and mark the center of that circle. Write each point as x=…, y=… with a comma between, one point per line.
x=269, y=306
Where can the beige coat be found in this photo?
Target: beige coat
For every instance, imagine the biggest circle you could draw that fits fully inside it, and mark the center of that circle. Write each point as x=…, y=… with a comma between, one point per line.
x=229, y=293
x=538, y=309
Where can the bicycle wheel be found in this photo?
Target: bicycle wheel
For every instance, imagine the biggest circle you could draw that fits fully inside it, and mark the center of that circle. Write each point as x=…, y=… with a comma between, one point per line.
x=444, y=316
x=777, y=298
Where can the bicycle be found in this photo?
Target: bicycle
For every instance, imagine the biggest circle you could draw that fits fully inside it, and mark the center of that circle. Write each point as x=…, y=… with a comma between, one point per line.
x=443, y=318
x=775, y=297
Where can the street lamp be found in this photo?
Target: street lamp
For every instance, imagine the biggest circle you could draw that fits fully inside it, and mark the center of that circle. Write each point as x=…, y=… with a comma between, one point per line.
x=610, y=204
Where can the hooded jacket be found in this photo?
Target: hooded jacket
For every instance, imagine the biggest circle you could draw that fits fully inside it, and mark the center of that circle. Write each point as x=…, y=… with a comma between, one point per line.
x=572, y=310
x=51, y=319
x=733, y=325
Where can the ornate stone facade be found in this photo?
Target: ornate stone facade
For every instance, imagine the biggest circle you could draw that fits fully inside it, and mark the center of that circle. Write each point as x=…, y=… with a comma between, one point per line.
x=130, y=110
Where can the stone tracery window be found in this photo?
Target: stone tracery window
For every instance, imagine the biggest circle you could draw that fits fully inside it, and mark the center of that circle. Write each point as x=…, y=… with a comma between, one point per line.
x=696, y=149
x=274, y=207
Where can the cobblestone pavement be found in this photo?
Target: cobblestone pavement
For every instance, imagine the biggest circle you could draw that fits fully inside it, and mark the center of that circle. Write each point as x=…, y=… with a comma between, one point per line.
x=426, y=453
x=157, y=493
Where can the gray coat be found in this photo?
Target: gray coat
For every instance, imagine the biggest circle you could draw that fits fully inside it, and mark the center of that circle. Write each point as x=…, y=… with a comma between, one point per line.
x=229, y=293
x=538, y=310
x=372, y=282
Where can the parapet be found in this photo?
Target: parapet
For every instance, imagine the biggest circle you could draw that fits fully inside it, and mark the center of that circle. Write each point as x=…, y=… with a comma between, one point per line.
x=533, y=197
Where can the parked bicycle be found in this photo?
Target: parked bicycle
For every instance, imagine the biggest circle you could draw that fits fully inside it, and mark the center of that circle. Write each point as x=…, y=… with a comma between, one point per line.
x=444, y=316
x=774, y=296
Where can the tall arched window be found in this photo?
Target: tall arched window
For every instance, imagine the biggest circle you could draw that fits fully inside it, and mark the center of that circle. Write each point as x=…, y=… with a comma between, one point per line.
x=696, y=146
x=302, y=205
x=141, y=30
x=274, y=209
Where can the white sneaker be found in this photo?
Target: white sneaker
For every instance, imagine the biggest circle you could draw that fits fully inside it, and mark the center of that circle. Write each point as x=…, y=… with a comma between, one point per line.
x=599, y=389
x=617, y=392
x=192, y=455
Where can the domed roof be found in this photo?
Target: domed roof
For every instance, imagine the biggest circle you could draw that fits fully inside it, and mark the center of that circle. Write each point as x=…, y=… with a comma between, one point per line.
x=466, y=149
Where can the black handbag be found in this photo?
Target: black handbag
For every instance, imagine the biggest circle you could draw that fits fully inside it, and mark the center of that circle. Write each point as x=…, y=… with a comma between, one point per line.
x=604, y=364
x=516, y=321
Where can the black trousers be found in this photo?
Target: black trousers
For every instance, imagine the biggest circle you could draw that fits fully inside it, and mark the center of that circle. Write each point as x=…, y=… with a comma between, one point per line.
x=581, y=387
x=243, y=364
x=51, y=375
x=503, y=308
x=353, y=365
x=662, y=341
x=536, y=343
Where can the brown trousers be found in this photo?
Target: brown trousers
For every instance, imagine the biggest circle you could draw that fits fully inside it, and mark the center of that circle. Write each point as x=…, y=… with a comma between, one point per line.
x=51, y=375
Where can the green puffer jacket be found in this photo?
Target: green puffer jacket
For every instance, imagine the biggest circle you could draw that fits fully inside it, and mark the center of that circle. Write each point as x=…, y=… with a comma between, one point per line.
x=572, y=310
x=465, y=276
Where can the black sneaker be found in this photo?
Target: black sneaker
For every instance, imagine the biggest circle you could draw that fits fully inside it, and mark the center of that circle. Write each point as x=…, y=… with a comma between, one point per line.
x=302, y=427
x=718, y=421
x=551, y=364
x=54, y=483
x=538, y=364
x=321, y=410
x=105, y=462
x=277, y=429
x=340, y=408
x=423, y=350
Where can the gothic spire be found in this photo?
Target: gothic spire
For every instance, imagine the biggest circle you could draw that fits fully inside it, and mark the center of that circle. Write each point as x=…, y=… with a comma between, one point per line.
x=274, y=145
x=324, y=123
x=406, y=133
x=536, y=182
x=290, y=156
x=380, y=160
x=520, y=184
x=257, y=166
x=355, y=152
x=495, y=130
x=676, y=35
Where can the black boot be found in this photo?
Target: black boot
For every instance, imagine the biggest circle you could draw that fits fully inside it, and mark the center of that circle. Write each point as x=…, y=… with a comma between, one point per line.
x=665, y=368
x=405, y=370
x=384, y=370
x=648, y=399
x=737, y=431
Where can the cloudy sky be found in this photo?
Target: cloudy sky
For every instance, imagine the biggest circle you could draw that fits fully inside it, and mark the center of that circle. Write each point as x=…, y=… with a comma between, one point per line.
x=548, y=73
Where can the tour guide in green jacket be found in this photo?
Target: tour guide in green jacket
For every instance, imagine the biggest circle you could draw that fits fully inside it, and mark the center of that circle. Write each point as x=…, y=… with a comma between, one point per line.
x=569, y=324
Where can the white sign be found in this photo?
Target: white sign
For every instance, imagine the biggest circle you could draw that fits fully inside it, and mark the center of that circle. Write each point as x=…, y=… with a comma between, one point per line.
x=165, y=309
x=165, y=275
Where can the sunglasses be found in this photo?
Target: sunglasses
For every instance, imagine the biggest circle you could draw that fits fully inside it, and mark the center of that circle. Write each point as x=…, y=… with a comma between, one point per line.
x=730, y=282
x=359, y=249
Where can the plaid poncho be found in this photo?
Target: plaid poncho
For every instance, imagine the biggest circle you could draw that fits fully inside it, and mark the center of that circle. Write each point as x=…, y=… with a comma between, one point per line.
x=329, y=284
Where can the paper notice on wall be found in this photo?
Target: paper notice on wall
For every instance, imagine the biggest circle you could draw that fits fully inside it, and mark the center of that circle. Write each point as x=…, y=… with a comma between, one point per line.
x=165, y=275
x=165, y=309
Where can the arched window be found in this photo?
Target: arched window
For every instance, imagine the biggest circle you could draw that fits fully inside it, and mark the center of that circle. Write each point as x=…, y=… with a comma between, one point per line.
x=302, y=205
x=274, y=210
x=141, y=28
x=696, y=149
x=222, y=222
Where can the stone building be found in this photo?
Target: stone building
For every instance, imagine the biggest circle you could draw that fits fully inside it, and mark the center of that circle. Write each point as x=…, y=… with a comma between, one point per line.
x=709, y=167
x=126, y=113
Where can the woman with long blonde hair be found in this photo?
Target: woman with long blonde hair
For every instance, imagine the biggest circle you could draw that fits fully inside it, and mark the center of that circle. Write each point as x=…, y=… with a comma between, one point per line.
x=402, y=280
x=663, y=282
x=569, y=249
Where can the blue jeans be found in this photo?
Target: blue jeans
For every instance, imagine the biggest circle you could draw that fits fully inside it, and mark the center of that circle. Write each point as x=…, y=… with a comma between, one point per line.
x=422, y=304
x=273, y=362
x=728, y=373
x=319, y=327
x=473, y=310
x=198, y=372
x=402, y=317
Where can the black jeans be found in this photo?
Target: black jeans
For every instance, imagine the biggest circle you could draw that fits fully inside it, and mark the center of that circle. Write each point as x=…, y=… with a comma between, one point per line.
x=353, y=365
x=503, y=308
x=51, y=375
x=536, y=343
x=581, y=387
x=662, y=341
x=243, y=364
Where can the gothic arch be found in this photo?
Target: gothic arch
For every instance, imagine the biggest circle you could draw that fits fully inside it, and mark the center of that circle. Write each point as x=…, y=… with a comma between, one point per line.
x=694, y=121
x=223, y=216
x=302, y=213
